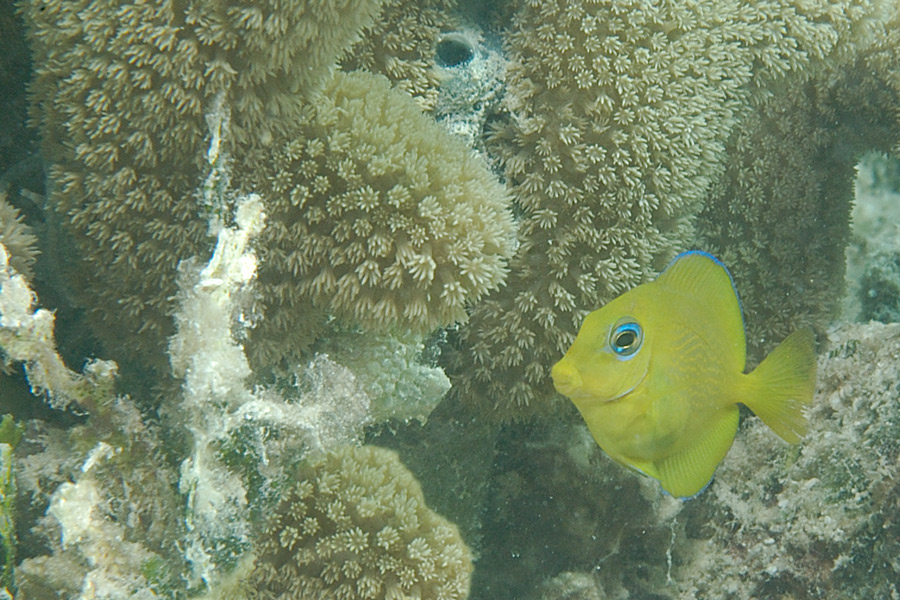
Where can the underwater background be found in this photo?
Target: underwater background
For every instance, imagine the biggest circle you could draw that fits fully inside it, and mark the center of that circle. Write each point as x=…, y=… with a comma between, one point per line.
x=282, y=282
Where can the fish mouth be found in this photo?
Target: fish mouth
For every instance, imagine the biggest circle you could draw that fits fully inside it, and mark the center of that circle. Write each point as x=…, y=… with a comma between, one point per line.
x=567, y=380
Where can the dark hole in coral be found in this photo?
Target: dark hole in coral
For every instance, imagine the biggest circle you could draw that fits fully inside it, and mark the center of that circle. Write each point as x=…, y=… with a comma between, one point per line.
x=453, y=50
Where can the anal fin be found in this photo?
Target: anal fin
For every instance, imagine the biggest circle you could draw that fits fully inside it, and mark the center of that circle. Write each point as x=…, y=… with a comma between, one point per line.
x=686, y=472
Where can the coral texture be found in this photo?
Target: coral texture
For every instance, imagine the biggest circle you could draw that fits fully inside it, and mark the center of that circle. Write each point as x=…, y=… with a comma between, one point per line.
x=821, y=521
x=780, y=216
x=620, y=115
x=120, y=93
x=113, y=516
x=377, y=215
x=401, y=46
x=353, y=526
x=17, y=238
x=26, y=336
x=392, y=372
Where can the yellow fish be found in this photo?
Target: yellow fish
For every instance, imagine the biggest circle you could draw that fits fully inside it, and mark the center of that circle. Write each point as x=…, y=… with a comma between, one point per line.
x=658, y=374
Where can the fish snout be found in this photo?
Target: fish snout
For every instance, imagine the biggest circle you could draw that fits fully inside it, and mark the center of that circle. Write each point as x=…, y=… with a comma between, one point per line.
x=566, y=378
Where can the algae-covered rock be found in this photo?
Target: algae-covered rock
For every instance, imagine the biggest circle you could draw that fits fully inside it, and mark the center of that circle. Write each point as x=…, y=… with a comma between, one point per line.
x=819, y=520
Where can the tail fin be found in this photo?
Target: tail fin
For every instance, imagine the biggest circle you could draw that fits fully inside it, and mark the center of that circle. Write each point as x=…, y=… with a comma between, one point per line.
x=783, y=385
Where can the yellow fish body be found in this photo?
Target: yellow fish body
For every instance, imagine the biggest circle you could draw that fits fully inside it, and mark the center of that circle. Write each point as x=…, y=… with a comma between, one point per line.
x=658, y=373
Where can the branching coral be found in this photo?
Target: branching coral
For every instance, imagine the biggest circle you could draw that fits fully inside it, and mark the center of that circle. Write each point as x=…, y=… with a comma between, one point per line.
x=619, y=116
x=354, y=526
x=377, y=215
x=780, y=217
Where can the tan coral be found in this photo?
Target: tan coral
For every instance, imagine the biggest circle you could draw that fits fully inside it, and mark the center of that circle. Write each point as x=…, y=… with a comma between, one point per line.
x=780, y=218
x=620, y=114
x=17, y=238
x=355, y=526
x=377, y=215
x=401, y=45
x=120, y=94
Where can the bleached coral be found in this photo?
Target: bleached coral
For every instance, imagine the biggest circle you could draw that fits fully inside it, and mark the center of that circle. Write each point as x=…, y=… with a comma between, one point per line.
x=26, y=335
x=354, y=525
x=243, y=438
x=392, y=371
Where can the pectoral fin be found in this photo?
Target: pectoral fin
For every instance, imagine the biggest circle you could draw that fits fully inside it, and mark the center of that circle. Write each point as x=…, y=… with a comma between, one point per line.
x=686, y=472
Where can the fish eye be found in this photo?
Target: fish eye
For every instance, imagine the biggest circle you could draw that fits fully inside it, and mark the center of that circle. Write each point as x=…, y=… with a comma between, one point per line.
x=625, y=339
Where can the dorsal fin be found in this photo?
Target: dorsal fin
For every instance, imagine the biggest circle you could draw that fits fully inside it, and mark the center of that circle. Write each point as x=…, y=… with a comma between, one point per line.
x=702, y=279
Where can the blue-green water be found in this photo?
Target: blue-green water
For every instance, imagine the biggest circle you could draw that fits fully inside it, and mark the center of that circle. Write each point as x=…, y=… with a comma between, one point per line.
x=264, y=263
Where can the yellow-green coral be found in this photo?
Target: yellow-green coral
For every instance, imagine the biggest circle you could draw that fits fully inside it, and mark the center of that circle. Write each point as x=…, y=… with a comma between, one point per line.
x=619, y=116
x=120, y=93
x=355, y=526
x=377, y=215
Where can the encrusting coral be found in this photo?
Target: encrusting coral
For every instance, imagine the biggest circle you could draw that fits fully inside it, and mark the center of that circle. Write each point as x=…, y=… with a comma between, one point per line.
x=354, y=525
x=619, y=117
x=376, y=215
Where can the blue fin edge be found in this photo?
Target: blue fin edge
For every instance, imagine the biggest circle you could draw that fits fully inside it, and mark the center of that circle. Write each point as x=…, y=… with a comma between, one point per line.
x=721, y=264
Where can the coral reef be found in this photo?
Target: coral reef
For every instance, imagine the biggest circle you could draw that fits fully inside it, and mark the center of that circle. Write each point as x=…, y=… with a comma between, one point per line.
x=375, y=214
x=412, y=235
x=270, y=240
x=17, y=238
x=819, y=522
x=621, y=116
x=120, y=92
x=787, y=190
x=355, y=525
x=401, y=45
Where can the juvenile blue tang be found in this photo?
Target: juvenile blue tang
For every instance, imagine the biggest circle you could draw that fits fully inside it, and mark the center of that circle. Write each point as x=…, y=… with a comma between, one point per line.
x=658, y=373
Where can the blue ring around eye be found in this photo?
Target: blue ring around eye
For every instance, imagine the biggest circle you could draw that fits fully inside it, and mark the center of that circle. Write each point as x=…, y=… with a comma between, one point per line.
x=625, y=340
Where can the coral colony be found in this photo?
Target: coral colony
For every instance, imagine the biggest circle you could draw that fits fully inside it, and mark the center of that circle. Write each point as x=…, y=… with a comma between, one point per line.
x=282, y=281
